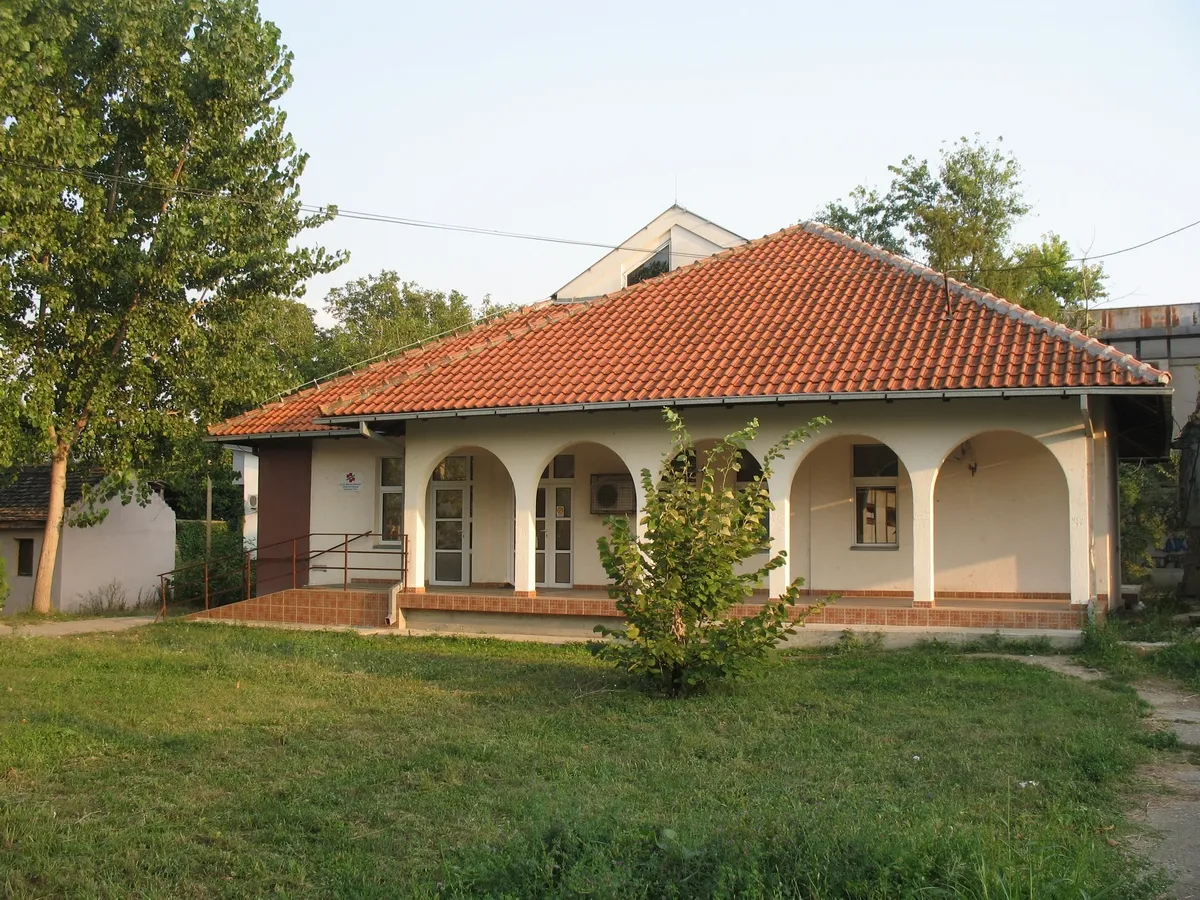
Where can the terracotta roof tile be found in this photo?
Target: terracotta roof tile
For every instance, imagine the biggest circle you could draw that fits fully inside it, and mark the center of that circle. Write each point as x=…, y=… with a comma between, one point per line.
x=807, y=310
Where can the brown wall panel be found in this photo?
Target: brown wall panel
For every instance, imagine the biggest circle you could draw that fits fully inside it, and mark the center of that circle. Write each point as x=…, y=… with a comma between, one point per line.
x=284, y=488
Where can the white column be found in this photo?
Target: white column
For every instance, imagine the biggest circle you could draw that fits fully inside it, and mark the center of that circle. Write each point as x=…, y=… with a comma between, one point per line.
x=923, y=481
x=415, y=486
x=525, y=531
x=1072, y=451
x=781, y=538
x=1080, y=543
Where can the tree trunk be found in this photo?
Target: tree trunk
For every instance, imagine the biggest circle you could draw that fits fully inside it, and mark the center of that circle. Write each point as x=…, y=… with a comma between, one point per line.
x=44, y=583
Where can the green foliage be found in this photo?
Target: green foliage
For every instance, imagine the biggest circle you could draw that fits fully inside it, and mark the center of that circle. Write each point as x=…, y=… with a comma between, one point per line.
x=186, y=488
x=380, y=313
x=1103, y=648
x=675, y=586
x=189, y=541
x=117, y=296
x=150, y=224
x=226, y=569
x=960, y=219
x=1149, y=506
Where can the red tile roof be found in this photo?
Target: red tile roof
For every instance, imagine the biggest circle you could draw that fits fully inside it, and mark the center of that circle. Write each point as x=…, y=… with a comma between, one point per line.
x=807, y=310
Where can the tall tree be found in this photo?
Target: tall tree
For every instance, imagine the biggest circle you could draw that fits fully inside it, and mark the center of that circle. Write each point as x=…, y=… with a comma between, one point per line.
x=148, y=205
x=380, y=313
x=959, y=219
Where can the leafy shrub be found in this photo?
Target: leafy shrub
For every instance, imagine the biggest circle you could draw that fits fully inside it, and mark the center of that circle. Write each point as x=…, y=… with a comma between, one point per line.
x=675, y=585
x=226, y=575
x=1149, y=505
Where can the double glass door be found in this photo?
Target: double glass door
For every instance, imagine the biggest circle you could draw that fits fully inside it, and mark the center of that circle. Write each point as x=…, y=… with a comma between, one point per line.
x=554, y=536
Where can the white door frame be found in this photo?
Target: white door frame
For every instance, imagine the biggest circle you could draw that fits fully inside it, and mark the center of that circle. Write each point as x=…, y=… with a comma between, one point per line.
x=550, y=485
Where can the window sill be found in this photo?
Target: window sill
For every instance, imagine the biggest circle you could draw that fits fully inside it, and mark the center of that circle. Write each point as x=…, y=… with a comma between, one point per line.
x=394, y=545
x=874, y=547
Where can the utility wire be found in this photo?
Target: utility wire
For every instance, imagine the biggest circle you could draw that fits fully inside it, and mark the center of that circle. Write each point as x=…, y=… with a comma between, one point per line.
x=384, y=218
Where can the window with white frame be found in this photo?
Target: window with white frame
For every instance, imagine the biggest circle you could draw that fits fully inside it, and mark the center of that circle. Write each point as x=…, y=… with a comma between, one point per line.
x=391, y=498
x=876, y=477
x=563, y=467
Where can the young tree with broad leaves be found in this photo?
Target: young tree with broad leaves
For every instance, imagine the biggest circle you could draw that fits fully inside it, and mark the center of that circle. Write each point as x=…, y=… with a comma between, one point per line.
x=676, y=583
x=958, y=218
x=149, y=204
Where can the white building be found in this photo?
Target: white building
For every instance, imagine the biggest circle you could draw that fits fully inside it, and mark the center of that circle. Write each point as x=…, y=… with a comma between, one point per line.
x=967, y=475
x=119, y=559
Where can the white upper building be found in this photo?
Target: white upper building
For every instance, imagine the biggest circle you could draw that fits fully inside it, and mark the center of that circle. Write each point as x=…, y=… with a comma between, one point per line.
x=675, y=238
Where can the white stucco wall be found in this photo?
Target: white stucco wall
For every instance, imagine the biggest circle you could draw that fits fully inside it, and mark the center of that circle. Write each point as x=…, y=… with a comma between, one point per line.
x=923, y=434
x=822, y=513
x=492, y=520
x=1004, y=527
x=130, y=548
x=336, y=512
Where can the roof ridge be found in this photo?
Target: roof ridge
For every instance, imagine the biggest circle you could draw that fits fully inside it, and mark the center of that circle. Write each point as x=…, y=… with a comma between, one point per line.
x=1090, y=345
x=330, y=410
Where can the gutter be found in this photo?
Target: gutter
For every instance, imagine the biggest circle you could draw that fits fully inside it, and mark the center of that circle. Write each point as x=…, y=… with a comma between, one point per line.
x=239, y=438
x=776, y=399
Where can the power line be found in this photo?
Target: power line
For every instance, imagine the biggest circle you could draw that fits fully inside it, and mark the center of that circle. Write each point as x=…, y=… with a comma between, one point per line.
x=384, y=218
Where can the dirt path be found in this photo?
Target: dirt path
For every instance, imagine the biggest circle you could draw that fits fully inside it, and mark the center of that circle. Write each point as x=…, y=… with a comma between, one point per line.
x=75, y=626
x=1173, y=813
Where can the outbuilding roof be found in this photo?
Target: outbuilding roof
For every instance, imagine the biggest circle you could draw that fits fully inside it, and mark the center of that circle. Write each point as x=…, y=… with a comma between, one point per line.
x=25, y=493
x=804, y=312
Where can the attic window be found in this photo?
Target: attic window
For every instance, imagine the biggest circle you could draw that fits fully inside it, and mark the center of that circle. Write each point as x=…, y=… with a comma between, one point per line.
x=658, y=264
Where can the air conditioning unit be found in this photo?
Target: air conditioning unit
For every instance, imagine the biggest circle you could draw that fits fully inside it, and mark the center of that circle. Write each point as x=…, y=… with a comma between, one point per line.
x=613, y=495
x=252, y=503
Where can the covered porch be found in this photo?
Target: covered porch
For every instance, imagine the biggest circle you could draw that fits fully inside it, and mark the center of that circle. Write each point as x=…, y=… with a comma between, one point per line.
x=968, y=514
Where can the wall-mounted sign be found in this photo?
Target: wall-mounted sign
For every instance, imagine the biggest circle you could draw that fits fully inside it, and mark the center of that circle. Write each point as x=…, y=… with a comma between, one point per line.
x=350, y=482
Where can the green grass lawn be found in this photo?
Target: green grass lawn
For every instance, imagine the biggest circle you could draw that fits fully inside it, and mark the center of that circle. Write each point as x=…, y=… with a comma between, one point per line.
x=186, y=760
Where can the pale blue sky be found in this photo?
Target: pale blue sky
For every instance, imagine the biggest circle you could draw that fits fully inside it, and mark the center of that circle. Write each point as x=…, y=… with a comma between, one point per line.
x=576, y=120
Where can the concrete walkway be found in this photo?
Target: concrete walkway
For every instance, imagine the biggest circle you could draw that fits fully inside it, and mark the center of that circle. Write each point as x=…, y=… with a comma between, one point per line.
x=75, y=626
x=1174, y=812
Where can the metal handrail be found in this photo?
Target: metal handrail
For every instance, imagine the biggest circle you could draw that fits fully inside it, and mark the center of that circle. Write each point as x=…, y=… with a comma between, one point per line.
x=167, y=579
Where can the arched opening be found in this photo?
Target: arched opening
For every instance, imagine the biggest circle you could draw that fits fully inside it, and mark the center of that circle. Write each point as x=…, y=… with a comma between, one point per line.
x=749, y=468
x=469, y=520
x=1001, y=520
x=851, y=519
x=579, y=487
